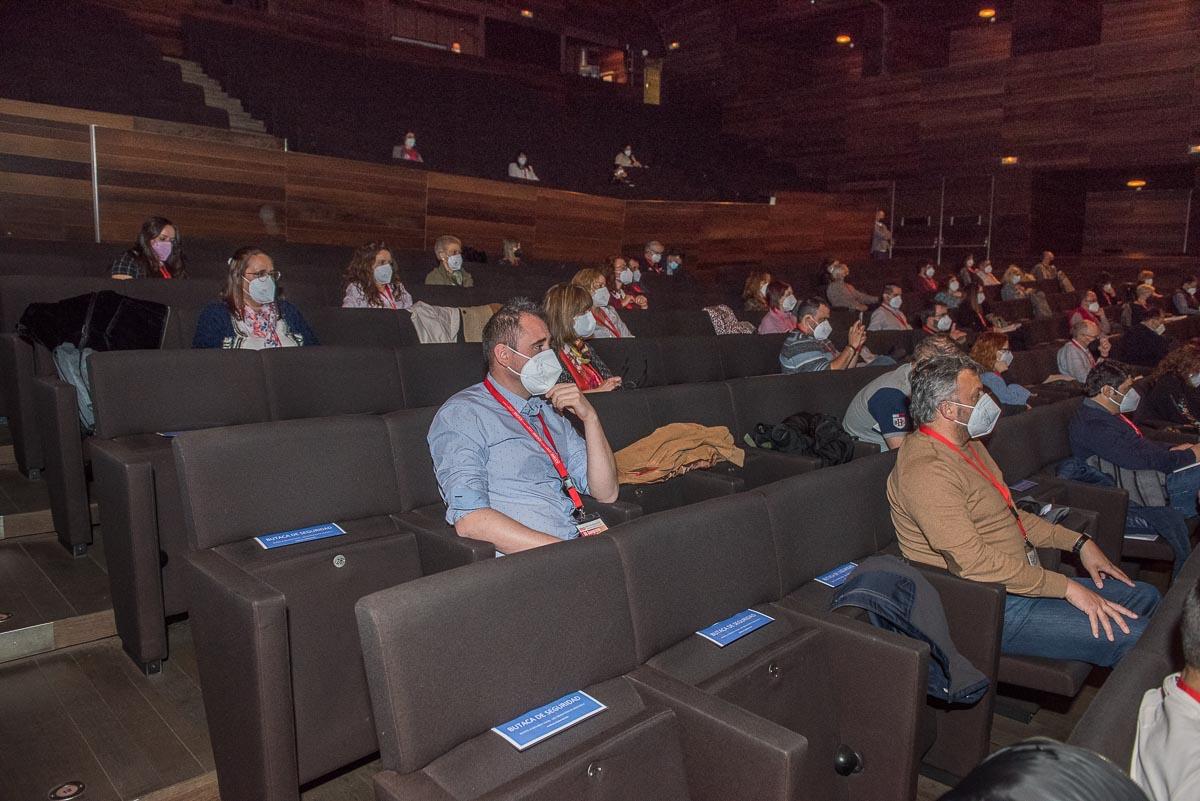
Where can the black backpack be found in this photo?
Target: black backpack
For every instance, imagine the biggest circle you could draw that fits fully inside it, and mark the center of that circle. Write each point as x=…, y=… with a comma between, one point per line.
x=808, y=434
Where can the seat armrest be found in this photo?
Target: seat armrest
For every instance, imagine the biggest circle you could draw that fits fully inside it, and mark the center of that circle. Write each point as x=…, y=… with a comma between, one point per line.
x=1110, y=505
x=241, y=631
x=612, y=513
x=1173, y=437
x=16, y=374
x=729, y=754
x=445, y=551
x=57, y=409
x=862, y=449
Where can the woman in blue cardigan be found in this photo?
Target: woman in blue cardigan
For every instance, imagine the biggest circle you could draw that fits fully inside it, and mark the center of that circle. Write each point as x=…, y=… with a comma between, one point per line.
x=251, y=313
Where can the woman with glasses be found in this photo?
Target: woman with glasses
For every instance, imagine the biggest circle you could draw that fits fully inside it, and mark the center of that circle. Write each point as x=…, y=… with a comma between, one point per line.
x=370, y=280
x=251, y=313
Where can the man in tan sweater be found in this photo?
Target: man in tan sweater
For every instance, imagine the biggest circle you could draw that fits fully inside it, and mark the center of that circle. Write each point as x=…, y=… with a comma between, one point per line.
x=952, y=510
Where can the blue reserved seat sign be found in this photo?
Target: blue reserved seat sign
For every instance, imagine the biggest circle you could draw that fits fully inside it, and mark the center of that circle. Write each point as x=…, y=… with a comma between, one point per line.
x=837, y=577
x=734, y=628
x=546, y=721
x=282, y=538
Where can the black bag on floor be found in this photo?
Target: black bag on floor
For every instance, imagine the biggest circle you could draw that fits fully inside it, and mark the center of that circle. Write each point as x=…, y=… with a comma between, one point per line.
x=808, y=434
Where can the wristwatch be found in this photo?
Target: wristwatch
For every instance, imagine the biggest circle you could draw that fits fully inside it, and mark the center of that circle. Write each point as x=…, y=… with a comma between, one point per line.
x=1079, y=543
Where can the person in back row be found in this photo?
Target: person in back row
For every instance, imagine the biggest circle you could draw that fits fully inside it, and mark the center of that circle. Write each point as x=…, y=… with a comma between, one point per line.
x=953, y=510
x=609, y=324
x=879, y=412
x=568, y=312
x=521, y=168
x=937, y=320
x=511, y=254
x=754, y=291
x=881, y=237
x=449, y=271
x=808, y=349
x=888, y=316
x=842, y=294
x=1145, y=343
x=781, y=304
x=157, y=253
x=370, y=280
x=509, y=463
x=1045, y=270
x=408, y=150
x=1166, y=748
x=1075, y=358
x=251, y=314
x=1184, y=300
x=1089, y=308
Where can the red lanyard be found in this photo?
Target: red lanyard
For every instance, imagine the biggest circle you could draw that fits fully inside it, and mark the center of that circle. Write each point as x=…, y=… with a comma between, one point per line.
x=547, y=444
x=1130, y=423
x=387, y=290
x=163, y=271
x=903, y=320
x=585, y=376
x=602, y=318
x=1086, y=352
x=982, y=320
x=977, y=464
x=1192, y=691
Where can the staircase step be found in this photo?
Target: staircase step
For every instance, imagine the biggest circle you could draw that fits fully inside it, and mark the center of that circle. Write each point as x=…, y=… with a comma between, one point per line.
x=216, y=97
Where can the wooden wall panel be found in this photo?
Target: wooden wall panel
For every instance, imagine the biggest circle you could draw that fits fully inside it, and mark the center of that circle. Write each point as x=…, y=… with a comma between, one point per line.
x=961, y=116
x=980, y=43
x=1129, y=20
x=574, y=227
x=480, y=212
x=336, y=201
x=677, y=225
x=733, y=232
x=1048, y=107
x=808, y=226
x=1148, y=221
x=883, y=126
x=45, y=179
x=213, y=189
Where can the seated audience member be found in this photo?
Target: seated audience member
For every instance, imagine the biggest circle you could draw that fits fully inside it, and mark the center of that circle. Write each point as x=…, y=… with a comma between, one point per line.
x=449, y=271
x=511, y=253
x=1184, y=299
x=952, y=510
x=1174, y=395
x=993, y=356
x=653, y=254
x=951, y=294
x=568, y=312
x=370, y=280
x=925, y=282
x=1145, y=277
x=1144, y=343
x=808, y=349
x=609, y=324
x=1011, y=288
x=1135, y=312
x=626, y=160
x=888, y=316
x=251, y=313
x=624, y=284
x=1089, y=309
x=1166, y=749
x=1075, y=358
x=408, y=150
x=881, y=237
x=754, y=291
x=1041, y=769
x=520, y=168
x=781, y=303
x=937, y=320
x=1106, y=293
x=967, y=273
x=495, y=444
x=1045, y=270
x=879, y=412
x=1103, y=436
x=157, y=253
x=825, y=273
x=973, y=315
x=842, y=294
x=982, y=274
x=674, y=263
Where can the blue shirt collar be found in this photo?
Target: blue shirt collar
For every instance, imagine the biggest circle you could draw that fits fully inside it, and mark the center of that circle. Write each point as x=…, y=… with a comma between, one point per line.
x=530, y=407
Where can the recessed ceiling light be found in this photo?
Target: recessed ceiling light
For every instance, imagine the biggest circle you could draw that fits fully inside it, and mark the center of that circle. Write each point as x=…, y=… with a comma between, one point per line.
x=1135, y=183
x=1009, y=160
x=527, y=13
x=987, y=12
x=843, y=39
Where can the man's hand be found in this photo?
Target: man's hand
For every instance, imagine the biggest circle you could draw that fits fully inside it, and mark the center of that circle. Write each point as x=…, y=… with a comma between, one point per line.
x=569, y=398
x=858, y=335
x=1105, y=346
x=1100, y=612
x=1098, y=565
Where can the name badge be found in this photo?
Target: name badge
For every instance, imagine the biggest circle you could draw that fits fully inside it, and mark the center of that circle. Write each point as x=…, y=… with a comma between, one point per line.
x=546, y=721
x=1031, y=555
x=589, y=525
x=282, y=538
x=837, y=577
x=734, y=628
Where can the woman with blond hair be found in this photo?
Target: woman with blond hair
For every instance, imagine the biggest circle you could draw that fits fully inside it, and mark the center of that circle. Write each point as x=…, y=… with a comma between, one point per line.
x=568, y=312
x=609, y=324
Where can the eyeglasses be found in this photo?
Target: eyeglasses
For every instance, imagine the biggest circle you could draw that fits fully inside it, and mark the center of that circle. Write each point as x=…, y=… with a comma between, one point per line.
x=274, y=275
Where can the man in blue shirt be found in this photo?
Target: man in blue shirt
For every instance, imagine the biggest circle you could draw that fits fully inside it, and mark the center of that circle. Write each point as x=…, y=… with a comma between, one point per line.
x=500, y=485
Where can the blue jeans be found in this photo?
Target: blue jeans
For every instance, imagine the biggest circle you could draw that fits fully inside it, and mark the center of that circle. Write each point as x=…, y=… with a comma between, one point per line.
x=883, y=361
x=1182, y=489
x=1167, y=523
x=1053, y=628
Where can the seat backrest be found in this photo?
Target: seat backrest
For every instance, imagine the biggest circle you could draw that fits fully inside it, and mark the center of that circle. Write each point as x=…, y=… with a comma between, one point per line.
x=749, y=354
x=693, y=566
x=689, y=359
x=407, y=431
x=1024, y=444
x=828, y=517
x=324, y=381
x=625, y=415
x=636, y=359
x=518, y=632
x=772, y=398
x=432, y=373
x=378, y=328
x=143, y=391
x=708, y=404
x=240, y=482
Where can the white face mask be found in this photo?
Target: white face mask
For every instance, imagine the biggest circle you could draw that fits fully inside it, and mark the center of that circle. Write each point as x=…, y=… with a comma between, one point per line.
x=1149, y=282
x=410, y=142
x=984, y=415
x=625, y=276
x=454, y=262
x=600, y=296
x=262, y=289
x=895, y=301
x=1107, y=288
x=1191, y=290
x=822, y=330
x=762, y=290
x=1016, y=279
x=540, y=373
x=980, y=297
x=521, y=160
x=953, y=286
x=929, y=272
x=1195, y=380
x=788, y=303
x=637, y=275
x=987, y=268
x=1006, y=356
x=655, y=258
x=1128, y=402
x=943, y=323
x=1093, y=307
x=584, y=325
x=383, y=273
x=628, y=151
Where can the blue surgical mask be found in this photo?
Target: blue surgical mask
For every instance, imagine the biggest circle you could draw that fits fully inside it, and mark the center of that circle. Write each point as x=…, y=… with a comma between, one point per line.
x=454, y=262
x=383, y=273
x=262, y=289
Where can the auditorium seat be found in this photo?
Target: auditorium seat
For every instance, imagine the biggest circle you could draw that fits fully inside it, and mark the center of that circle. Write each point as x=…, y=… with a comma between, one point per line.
x=284, y=690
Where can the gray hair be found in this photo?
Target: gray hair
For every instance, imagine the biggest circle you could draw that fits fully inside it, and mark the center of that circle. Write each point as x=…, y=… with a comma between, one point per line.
x=809, y=306
x=1081, y=327
x=936, y=345
x=935, y=381
x=442, y=243
x=505, y=325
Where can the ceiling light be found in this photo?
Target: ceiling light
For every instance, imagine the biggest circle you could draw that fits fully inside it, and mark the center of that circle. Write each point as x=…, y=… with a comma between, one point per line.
x=673, y=46
x=1194, y=150
x=1135, y=183
x=527, y=13
x=843, y=39
x=987, y=12
x=1009, y=160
